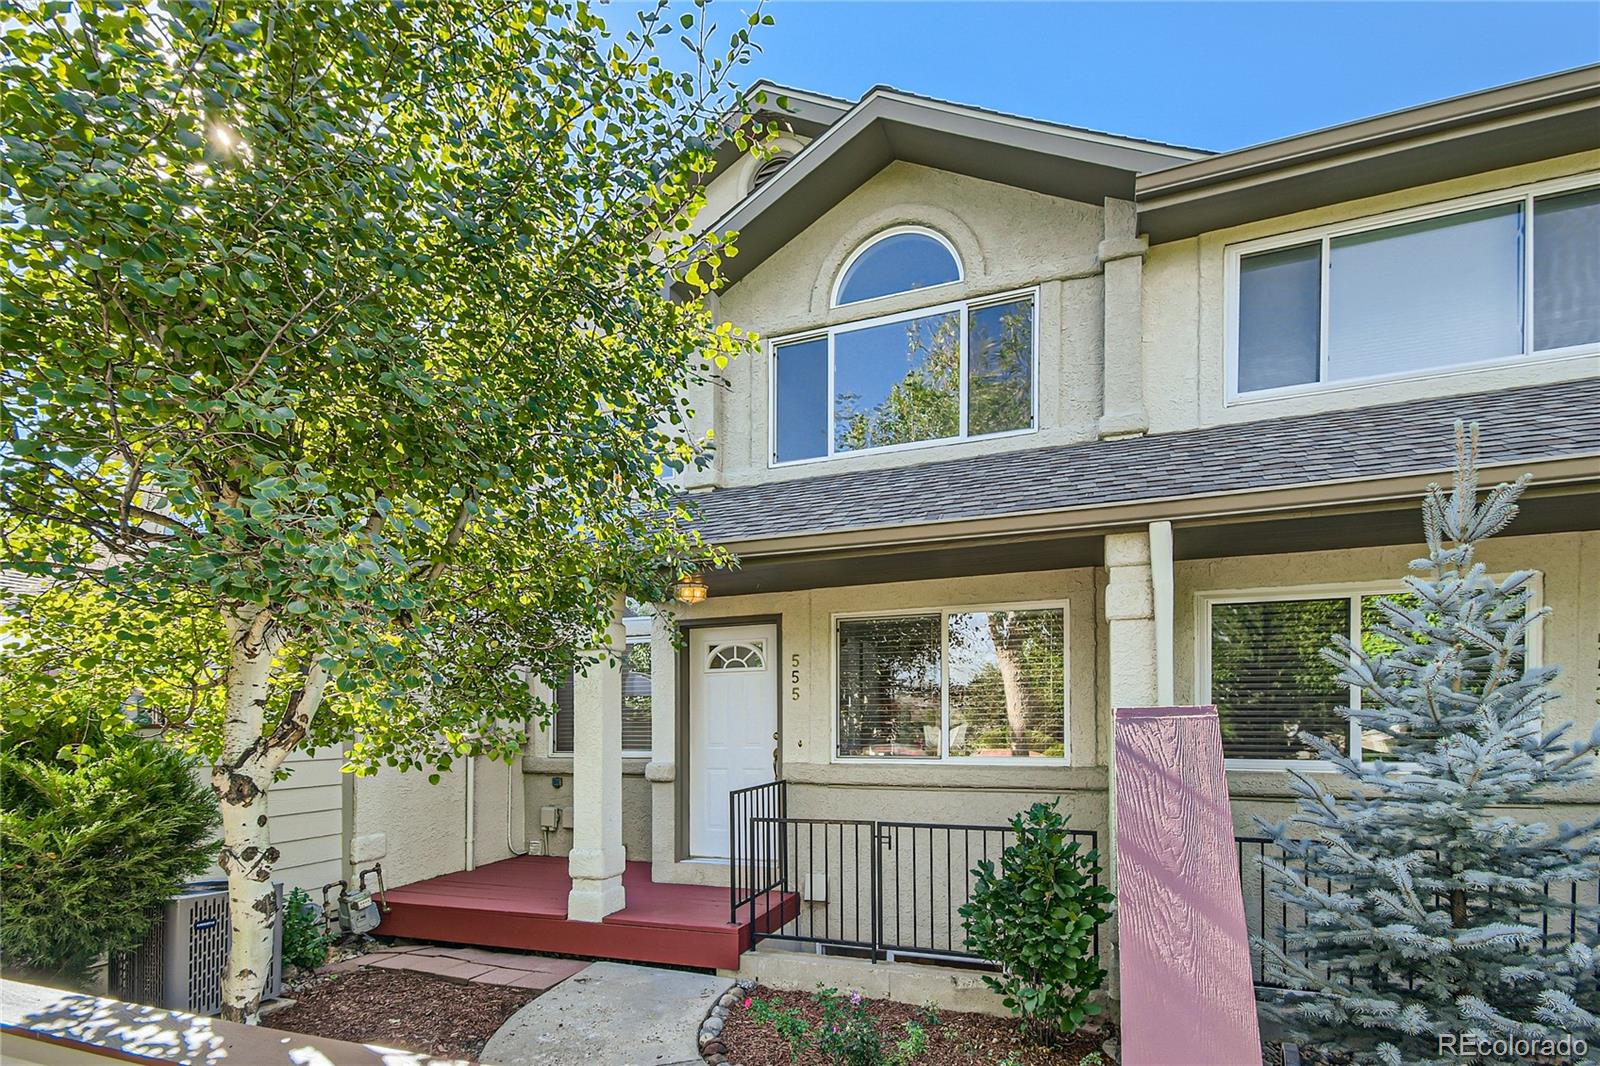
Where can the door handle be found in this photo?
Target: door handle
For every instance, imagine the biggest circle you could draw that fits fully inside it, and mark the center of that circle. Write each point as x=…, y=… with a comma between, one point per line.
x=775, y=756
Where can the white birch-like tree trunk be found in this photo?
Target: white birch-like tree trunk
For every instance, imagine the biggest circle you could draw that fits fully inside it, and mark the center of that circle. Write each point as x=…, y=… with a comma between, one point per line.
x=241, y=779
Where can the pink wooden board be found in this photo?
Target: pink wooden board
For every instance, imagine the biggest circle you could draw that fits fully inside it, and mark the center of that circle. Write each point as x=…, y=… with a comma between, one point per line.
x=1187, y=993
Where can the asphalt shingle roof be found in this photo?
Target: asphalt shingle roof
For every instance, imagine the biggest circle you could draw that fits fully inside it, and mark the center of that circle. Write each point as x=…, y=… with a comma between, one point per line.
x=1524, y=424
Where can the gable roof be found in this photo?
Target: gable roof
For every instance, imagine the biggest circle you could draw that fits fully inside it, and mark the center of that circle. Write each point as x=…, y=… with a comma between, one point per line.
x=888, y=124
x=1539, y=422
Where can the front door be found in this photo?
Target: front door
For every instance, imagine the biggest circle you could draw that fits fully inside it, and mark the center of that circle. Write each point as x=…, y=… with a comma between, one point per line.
x=733, y=725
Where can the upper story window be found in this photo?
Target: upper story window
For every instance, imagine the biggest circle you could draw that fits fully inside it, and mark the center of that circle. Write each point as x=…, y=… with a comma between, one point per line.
x=900, y=260
x=943, y=373
x=1478, y=281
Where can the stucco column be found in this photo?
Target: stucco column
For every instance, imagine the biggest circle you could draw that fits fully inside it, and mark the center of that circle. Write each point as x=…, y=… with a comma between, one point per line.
x=1121, y=255
x=597, y=858
x=1131, y=645
x=662, y=769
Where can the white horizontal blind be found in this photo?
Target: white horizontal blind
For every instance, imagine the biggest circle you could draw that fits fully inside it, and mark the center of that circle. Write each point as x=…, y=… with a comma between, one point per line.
x=889, y=686
x=1269, y=680
x=636, y=697
x=635, y=704
x=1007, y=683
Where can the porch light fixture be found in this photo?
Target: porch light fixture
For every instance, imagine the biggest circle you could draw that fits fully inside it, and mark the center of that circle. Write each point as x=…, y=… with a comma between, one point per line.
x=691, y=588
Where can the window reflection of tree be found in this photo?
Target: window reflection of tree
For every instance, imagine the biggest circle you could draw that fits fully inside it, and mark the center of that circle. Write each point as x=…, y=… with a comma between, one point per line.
x=1269, y=680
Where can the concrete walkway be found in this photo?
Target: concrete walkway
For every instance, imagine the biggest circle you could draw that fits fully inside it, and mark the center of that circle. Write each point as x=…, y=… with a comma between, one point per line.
x=610, y=1013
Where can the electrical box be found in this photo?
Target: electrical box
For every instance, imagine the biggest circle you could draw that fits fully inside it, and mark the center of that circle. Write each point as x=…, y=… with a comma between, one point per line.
x=550, y=817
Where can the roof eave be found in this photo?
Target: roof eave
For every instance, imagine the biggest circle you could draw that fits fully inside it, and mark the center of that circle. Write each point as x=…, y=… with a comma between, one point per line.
x=1538, y=119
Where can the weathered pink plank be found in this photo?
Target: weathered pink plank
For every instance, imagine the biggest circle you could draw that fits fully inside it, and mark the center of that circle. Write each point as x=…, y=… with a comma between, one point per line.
x=1187, y=996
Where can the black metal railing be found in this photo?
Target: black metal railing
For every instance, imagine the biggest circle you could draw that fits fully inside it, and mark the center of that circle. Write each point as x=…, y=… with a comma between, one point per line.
x=878, y=887
x=1272, y=920
x=753, y=858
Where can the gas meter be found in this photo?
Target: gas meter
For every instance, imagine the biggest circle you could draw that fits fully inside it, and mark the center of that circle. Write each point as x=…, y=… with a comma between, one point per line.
x=358, y=911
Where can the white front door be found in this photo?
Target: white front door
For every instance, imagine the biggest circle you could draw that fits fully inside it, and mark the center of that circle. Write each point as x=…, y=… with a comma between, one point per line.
x=733, y=725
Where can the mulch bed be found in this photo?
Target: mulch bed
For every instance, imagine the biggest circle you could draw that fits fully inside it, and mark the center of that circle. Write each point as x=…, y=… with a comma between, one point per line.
x=401, y=1009
x=958, y=1038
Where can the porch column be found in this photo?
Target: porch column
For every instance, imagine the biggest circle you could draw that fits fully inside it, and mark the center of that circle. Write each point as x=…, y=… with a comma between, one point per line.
x=662, y=769
x=597, y=858
x=1131, y=647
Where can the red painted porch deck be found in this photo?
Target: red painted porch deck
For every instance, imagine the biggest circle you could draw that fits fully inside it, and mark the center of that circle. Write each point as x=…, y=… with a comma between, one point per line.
x=522, y=903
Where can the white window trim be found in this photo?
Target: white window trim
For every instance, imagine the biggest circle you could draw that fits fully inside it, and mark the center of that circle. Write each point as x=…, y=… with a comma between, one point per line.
x=1354, y=591
x=965, y=307
x=944, y=758
x=638, y=632
x=880, y=237
x=1324, y=235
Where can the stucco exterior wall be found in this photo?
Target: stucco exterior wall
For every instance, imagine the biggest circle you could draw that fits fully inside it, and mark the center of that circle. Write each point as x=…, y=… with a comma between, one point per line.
x=1185, y=295
x=1570, y=567
x=1007, y=239
x=823, y=787
x=541, y=775
x=419, y=830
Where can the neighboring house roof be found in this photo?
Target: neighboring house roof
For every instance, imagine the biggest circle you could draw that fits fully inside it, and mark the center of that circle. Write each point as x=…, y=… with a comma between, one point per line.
x=1539, y=422
x=887, y=125
x=1557, y=114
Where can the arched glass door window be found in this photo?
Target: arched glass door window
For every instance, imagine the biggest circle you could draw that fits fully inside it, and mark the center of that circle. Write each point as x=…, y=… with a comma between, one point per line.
x=901, y=260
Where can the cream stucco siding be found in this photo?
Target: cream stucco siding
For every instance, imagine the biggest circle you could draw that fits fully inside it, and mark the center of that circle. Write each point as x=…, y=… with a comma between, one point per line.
x=827, y=787
x=1185, y=299
x=1569, y=565
x=1008, y=239
x=419, y=830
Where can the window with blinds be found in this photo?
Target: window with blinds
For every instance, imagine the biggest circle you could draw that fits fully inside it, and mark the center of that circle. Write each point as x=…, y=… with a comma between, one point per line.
x=889, y=687
x=635, y=705
x=1270, y=682
x=953, y=684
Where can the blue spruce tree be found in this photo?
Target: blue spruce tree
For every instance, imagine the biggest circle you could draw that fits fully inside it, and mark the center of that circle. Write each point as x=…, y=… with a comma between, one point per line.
x=1417, y=907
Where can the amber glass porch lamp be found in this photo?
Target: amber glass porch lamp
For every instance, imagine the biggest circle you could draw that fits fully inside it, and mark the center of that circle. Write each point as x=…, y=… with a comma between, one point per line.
x=691, y=588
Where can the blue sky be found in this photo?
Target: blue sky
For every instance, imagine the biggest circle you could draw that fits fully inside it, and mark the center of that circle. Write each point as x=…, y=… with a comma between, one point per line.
x=1211, y=75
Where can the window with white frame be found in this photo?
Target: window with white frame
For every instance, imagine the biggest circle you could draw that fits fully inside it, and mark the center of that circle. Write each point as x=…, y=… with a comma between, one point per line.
x=979, y=684
x=1264, y=670
x=636, y=742
x=895, y=261
x=1483, y=280
x=946, y=373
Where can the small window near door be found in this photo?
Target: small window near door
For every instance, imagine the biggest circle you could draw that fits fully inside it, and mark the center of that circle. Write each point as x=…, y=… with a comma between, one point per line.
x=746, y=655
x=635, y=705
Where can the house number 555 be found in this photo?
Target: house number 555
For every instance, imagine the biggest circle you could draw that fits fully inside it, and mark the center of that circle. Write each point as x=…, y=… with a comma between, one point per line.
x=794, y=676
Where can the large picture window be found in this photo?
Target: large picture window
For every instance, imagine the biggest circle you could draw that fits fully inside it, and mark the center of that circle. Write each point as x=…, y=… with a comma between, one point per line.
x=1263, y=669
x=1486, y=281
x=961, y=684
x=946, y=373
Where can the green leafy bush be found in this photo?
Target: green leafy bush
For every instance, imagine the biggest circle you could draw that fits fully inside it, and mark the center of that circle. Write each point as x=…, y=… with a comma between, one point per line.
x=94, y=837
x=305, y=940
x=1036, y=918
x=846, y=1035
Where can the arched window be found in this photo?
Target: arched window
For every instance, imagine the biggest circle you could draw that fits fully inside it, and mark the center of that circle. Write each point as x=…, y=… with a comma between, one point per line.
x=900, y=260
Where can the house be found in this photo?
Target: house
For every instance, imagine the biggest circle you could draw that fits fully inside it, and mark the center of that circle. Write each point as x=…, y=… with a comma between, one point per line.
x=1045, y=422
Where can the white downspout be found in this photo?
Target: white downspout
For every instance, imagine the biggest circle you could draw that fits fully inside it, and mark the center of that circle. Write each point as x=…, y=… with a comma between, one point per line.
x=472, y=802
